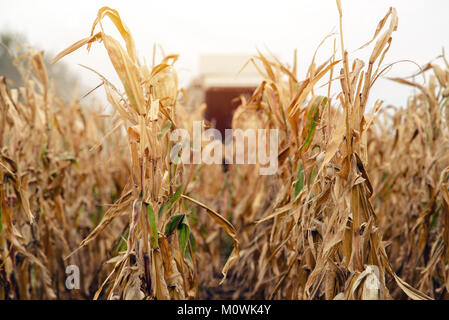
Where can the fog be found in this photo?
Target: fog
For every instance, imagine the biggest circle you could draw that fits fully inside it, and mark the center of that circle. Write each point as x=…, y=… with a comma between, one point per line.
x=192, y=28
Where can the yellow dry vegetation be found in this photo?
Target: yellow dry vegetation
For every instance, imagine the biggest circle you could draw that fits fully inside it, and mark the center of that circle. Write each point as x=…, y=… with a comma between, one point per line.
x=358, y=209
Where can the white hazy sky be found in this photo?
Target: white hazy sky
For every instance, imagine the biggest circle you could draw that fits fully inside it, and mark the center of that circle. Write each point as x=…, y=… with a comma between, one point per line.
x=191, y=28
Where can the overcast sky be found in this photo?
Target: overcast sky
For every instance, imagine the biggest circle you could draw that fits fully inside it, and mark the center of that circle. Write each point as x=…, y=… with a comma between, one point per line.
x=191, y=28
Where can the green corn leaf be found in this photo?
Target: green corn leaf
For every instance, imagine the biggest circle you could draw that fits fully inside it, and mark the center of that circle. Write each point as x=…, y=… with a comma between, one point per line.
x=312, y=176
x=299, y=181
x=131, y=97
x=124, y=245
x=183, y=237
x=119, y=240
x=167, y=125
x=161, y=209
x=171, y=201
x=192, y=242
x=153, y=226
x=312, y=120
x=174, y=222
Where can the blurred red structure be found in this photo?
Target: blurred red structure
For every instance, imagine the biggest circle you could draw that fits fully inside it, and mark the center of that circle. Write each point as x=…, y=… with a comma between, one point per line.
x=221, y=103
x=220, y=84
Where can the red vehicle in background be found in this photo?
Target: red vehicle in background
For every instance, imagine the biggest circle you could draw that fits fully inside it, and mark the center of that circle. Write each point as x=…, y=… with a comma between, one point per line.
x=220, y=84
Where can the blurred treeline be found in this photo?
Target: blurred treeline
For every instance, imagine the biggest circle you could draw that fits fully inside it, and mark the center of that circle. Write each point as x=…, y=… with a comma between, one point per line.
x=13, y=45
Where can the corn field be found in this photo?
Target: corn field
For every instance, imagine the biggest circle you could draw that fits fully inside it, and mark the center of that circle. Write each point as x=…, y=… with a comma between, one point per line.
x=358, y=208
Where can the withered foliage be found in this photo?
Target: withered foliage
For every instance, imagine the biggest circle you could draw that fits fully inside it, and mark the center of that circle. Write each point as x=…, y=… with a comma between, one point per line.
x=358, y=208
x=54, y=188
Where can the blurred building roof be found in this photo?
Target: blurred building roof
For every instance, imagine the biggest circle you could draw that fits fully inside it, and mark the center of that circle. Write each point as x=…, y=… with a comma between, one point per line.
x=226, y=71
